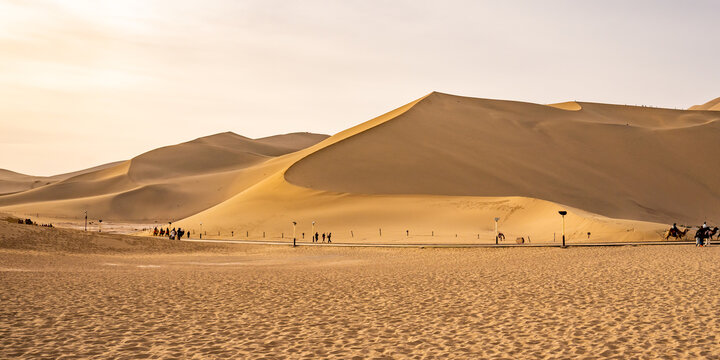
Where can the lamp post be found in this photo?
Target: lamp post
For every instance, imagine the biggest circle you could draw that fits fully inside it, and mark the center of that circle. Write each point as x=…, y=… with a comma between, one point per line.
x=200, y=231
x=312, y=234
x=563, y=213
x=496, y=230
x=294, y=238
x=86, y=220
x=100, y=225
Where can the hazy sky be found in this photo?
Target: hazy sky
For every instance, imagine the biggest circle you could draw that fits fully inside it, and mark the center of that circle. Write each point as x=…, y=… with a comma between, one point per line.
x=89, y=82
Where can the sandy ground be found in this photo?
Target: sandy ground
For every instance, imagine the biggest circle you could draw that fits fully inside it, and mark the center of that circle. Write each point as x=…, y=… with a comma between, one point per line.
x=170, y=300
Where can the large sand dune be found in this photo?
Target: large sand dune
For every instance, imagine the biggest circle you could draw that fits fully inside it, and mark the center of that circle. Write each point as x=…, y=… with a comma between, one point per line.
x=444, y=166
x=619, y=161
x=164, y=184
x=441, y=167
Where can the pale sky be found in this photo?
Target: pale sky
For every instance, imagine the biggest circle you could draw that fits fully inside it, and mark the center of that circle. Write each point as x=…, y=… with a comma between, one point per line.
x=86, y=82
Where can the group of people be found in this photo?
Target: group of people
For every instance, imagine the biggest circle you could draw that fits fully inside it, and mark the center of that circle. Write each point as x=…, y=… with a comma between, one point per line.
x=171, y=234
x=702, y=235
x=316, y=237
x=30, y=222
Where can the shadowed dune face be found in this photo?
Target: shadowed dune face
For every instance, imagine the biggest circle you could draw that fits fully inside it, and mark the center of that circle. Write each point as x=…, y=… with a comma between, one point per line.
x=618, y=161
x=292, y=142
x=221, y=152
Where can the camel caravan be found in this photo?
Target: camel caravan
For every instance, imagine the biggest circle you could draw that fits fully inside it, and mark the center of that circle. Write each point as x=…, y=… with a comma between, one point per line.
x=702, y=236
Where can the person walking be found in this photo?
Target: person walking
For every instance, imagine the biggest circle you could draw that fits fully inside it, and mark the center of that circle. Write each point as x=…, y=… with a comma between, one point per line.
x=323, y=237
x=329, y=235
x=317, y=237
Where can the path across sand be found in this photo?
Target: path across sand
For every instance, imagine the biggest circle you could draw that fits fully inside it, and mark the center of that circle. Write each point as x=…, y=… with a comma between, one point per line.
x=440, y=245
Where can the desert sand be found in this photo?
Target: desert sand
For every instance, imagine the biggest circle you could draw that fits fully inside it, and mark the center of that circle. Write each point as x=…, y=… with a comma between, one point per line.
x=442, y=166
x=70, y=294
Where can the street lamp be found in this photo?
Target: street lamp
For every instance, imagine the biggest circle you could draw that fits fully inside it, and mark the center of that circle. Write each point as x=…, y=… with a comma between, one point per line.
x=496, y=230
x=294, y=238
x=313, y=231
x=563, y=213
x=100, y=225
x=200, y=231
x=86, y=220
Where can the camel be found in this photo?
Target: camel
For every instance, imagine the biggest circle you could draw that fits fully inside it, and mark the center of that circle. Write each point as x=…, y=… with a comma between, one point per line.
x=705, y=233
x=677, y=234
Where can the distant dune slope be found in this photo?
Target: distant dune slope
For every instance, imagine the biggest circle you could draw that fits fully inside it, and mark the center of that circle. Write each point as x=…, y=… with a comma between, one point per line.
x=164, y=184
x=710, y=105
x=12, y=182
x=618, y=161
x=293, y=142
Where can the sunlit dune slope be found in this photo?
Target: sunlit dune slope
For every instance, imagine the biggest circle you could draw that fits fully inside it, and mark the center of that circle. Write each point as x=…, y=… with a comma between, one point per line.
x=710, y=105
x=618, y=161
x=267, y=210
x=164, y=184
x=570, y=106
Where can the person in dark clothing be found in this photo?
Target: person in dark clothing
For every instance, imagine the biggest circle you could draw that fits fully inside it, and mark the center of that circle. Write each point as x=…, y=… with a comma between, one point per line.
x=317, y=237
x=323, y=237
x=329, y=235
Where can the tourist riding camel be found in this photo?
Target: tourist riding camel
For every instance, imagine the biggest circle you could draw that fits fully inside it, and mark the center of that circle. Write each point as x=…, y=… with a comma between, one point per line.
x=676, y=233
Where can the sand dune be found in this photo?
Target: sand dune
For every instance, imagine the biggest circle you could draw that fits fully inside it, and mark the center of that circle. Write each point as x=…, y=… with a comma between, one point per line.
x=12, y=182
x=164, y=184
x=441, y=166
x=710, y=105
x=618, y=161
